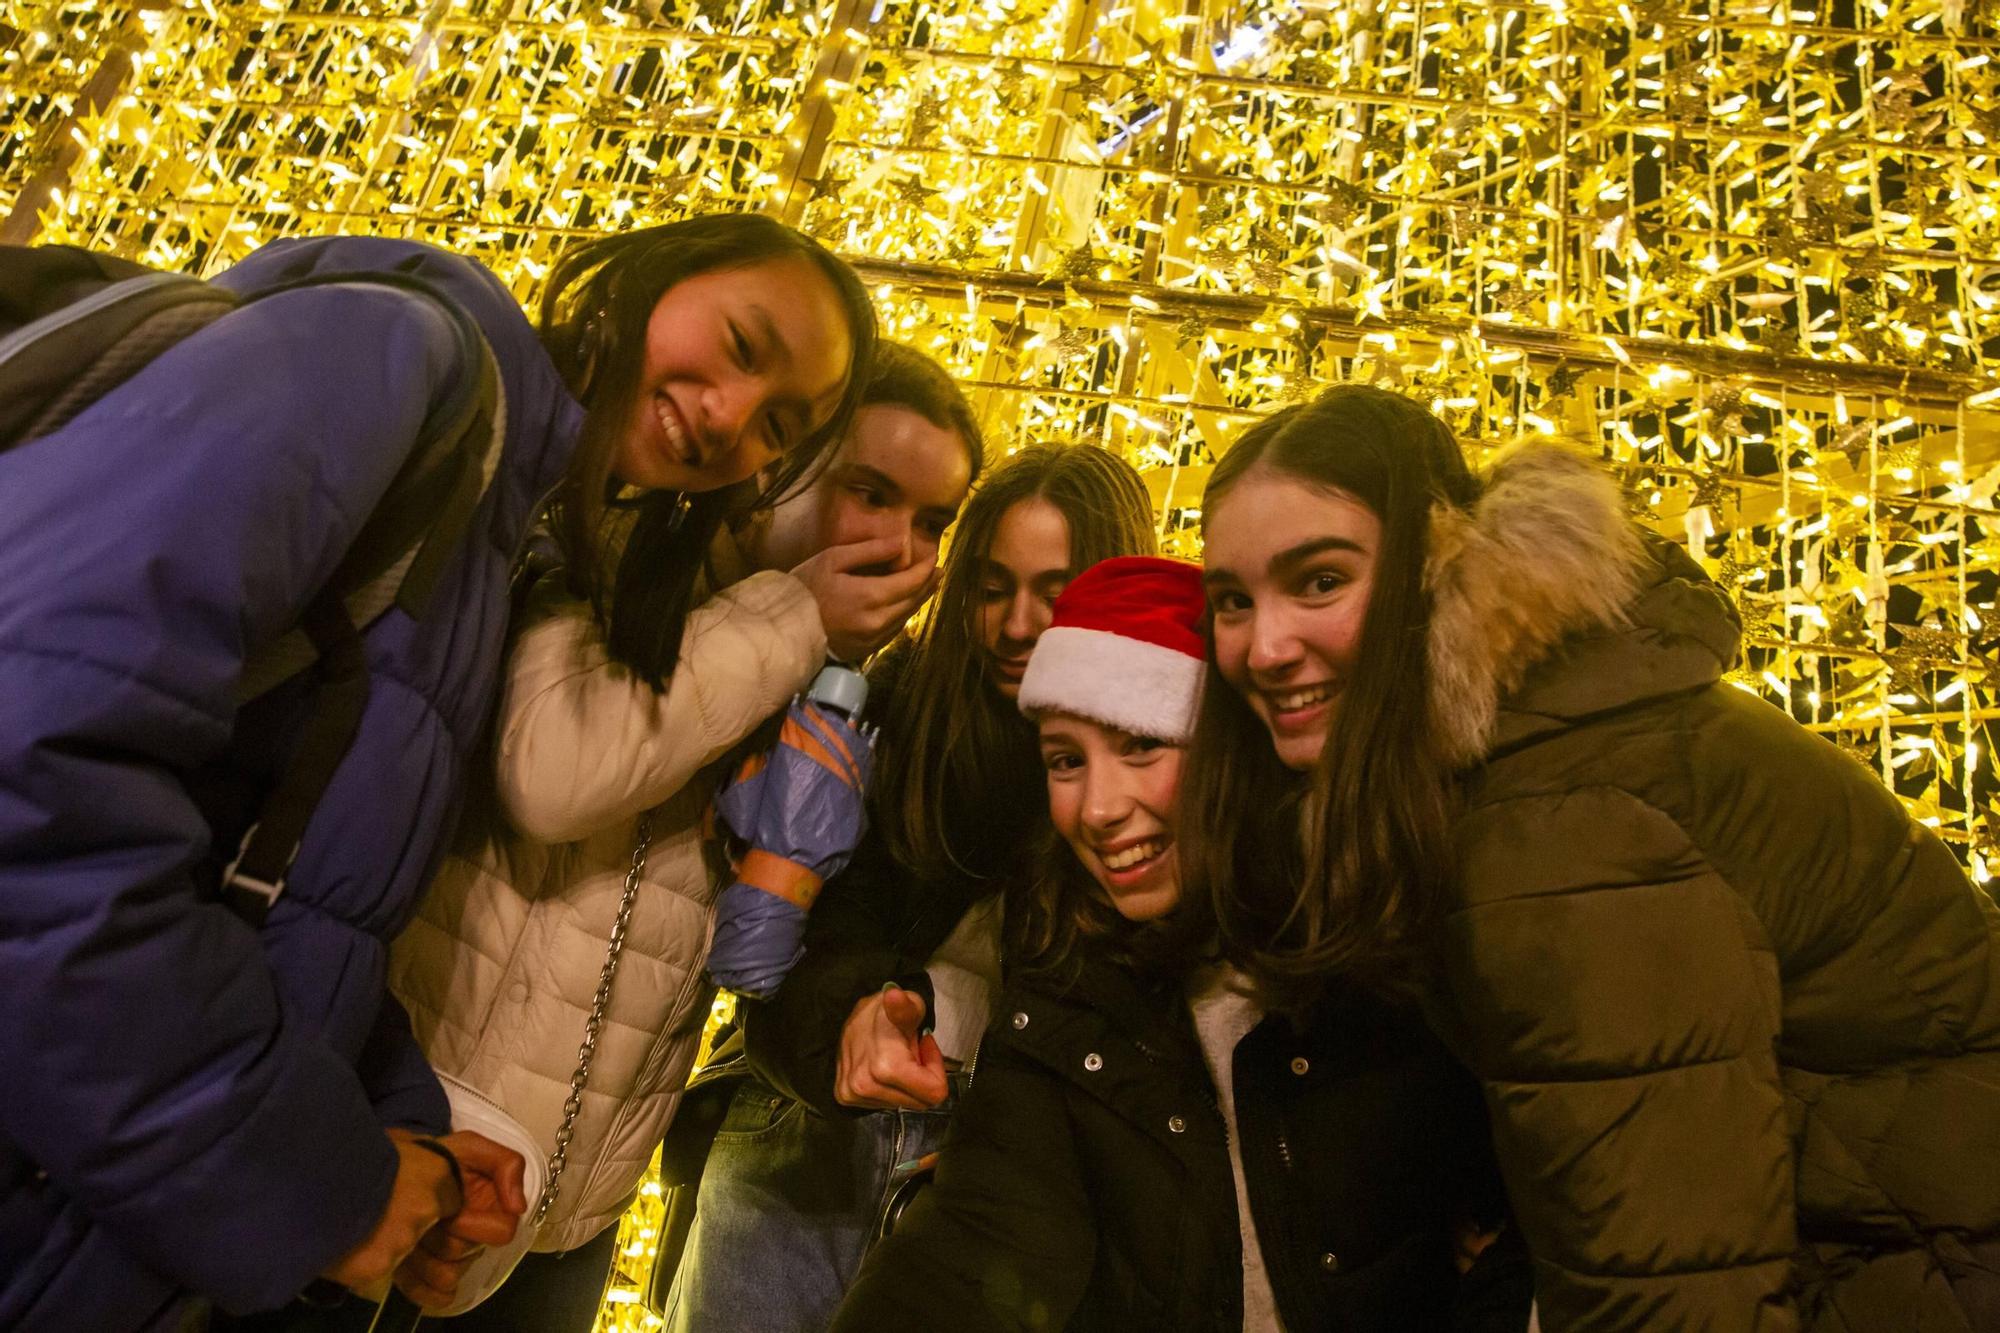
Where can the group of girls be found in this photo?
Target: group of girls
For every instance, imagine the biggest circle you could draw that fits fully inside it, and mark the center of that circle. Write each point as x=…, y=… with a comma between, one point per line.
x=1395, y=923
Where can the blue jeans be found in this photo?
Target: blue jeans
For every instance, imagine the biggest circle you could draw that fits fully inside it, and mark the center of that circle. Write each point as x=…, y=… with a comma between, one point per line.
x=789, y=1203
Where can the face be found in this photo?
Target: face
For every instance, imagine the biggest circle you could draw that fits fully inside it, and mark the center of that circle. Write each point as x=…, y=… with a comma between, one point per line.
x=1019, y=581
x=894, y=475
x=1289, y=566
x=1111, y=795
x=742, y=364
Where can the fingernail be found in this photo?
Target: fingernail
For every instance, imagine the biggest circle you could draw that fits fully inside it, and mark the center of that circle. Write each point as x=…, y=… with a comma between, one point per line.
x=911, y=1165
x=888, y=986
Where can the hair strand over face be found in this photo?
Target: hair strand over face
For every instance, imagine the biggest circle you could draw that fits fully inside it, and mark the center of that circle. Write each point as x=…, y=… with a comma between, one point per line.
x=952, y=744
x=595, y=312
x=1342, y=872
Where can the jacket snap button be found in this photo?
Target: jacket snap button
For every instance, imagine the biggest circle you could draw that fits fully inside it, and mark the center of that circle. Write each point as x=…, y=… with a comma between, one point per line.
x=1176, y=1124
x=1020, y=1021
x=1299, y=1065
x=1093, y=1062
x=1330, y=1262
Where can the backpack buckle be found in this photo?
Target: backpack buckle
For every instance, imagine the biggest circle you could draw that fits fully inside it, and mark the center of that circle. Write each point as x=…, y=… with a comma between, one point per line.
x=251, y=896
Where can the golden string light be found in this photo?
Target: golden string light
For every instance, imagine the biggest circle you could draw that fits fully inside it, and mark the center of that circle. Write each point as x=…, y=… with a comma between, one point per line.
x=1747, y=251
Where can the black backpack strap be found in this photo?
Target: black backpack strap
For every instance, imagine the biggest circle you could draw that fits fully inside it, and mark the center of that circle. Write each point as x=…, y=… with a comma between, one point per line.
x=397, y=558
x=75, y=324
x=254, y=880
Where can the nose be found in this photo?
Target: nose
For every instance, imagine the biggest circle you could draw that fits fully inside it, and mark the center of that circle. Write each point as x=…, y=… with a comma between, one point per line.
x=731, y=439
x=1274, y=647
x=1107, y=799
x=897, y=524
x=1027, y=617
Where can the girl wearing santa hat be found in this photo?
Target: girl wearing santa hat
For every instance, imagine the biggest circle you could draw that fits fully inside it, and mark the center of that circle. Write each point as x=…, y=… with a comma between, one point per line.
x=1140, y=1146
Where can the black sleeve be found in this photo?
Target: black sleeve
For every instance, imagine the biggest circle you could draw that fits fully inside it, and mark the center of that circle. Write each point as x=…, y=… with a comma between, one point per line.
x=792, y=1040
x=1497, y=1293
x=1005, y=1238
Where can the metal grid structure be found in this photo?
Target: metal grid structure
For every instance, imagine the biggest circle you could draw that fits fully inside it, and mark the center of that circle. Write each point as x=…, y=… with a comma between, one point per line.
x=1749, y=252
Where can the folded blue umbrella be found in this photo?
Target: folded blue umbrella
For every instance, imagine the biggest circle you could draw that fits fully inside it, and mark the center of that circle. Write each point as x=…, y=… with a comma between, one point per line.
x=800, y=811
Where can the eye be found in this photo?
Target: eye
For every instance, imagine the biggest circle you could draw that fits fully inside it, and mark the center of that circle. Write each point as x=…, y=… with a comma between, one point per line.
x=994, y=592
x=1062, y=761
x=741, y=345
x=1227, y=603
x=935, y=530
x=1324, y=582
x=780, y=437
x=1139, y=746
x=870, y=496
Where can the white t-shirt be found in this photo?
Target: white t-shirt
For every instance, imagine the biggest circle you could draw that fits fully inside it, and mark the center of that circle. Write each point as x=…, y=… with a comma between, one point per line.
x=1224, y=1016
x=965, y=973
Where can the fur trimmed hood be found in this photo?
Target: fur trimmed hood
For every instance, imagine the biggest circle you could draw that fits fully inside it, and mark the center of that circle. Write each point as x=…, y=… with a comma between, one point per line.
x=1546, y=560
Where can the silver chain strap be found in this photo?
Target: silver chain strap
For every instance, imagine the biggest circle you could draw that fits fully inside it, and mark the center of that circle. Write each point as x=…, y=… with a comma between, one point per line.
x=559, y=1159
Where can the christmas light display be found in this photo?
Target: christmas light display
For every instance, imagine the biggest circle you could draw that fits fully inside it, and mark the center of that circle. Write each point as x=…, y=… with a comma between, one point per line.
x=1747, y=252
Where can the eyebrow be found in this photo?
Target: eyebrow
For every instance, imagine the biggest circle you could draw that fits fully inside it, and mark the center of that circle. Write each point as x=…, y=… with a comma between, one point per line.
x=781, y=351
x=1289, y=558
x=874, y=477
x=767, y=328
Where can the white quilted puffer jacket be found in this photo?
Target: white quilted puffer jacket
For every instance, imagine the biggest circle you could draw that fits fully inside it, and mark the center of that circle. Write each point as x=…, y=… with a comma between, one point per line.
x=499, y=968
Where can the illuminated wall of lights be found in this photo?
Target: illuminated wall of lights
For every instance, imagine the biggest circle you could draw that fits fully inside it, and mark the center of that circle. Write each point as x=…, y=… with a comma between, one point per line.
x=1749, y=252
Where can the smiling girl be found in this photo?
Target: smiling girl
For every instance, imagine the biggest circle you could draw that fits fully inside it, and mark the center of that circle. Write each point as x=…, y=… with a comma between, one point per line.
x=902, y=950
x=229, y=1142
x=1736, y=1013
x=1141, y=1147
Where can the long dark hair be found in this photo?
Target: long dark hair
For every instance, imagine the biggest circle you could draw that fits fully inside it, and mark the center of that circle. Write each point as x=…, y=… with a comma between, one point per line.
x=1061, y=916
x=1343, y=871
x=951, y=743
x=594, y=314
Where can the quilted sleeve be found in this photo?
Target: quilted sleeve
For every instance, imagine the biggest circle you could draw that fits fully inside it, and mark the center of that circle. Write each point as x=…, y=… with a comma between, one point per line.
x=150, y=1069
x=1620, y=1003
x=585, y=744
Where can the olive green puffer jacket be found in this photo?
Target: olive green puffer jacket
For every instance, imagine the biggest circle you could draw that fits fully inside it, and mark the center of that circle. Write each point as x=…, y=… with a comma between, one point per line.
x=1737, y=1016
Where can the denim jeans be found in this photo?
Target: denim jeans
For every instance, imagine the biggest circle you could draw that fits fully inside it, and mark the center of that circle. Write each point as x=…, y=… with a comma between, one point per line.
x=788, y=1205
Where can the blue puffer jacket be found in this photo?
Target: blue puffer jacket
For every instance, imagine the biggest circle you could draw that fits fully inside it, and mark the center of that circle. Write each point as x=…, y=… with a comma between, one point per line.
x=190, y=1108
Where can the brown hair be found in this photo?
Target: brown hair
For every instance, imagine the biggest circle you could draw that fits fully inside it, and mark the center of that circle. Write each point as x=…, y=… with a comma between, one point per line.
x=951, y=742
x=904, y=377
x=1341, y=872
x=594, y=315
x=1060, y=912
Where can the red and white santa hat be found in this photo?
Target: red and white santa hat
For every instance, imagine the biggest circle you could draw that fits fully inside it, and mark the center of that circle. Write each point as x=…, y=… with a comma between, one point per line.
x=1124, y=648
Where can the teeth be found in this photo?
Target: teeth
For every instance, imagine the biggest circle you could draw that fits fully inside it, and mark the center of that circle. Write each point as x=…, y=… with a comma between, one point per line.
x=1285, y=703
x=1135, y=854
x=672, y=426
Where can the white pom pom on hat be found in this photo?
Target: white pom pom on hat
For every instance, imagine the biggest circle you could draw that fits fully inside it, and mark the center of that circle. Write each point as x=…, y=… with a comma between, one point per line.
x=1124, y=648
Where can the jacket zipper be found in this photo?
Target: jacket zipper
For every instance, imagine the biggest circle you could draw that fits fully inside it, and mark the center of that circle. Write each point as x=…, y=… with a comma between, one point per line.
x=972, y=1061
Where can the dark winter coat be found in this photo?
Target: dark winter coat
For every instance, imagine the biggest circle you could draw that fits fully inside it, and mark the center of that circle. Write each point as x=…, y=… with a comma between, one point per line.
x=1736, y=1013
x=1086, y=1183
x=190, y=1105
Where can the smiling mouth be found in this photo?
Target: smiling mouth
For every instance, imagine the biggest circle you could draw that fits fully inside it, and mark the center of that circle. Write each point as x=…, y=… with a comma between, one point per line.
x=670, y=426
x=1295, y=701
x=1010, y=667
x=1135, y=857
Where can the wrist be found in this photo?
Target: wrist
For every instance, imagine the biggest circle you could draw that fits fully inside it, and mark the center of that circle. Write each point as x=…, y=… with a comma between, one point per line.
x=450, y=1160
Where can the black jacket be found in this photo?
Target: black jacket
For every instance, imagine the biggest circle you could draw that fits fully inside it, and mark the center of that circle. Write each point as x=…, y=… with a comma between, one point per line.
x=1086, y=1183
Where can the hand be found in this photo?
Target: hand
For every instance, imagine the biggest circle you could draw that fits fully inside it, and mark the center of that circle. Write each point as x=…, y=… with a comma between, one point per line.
x=1469, y=1242
x=494, y=1203
x=424, y=1192
x=886, y=1061
x=862, y=611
